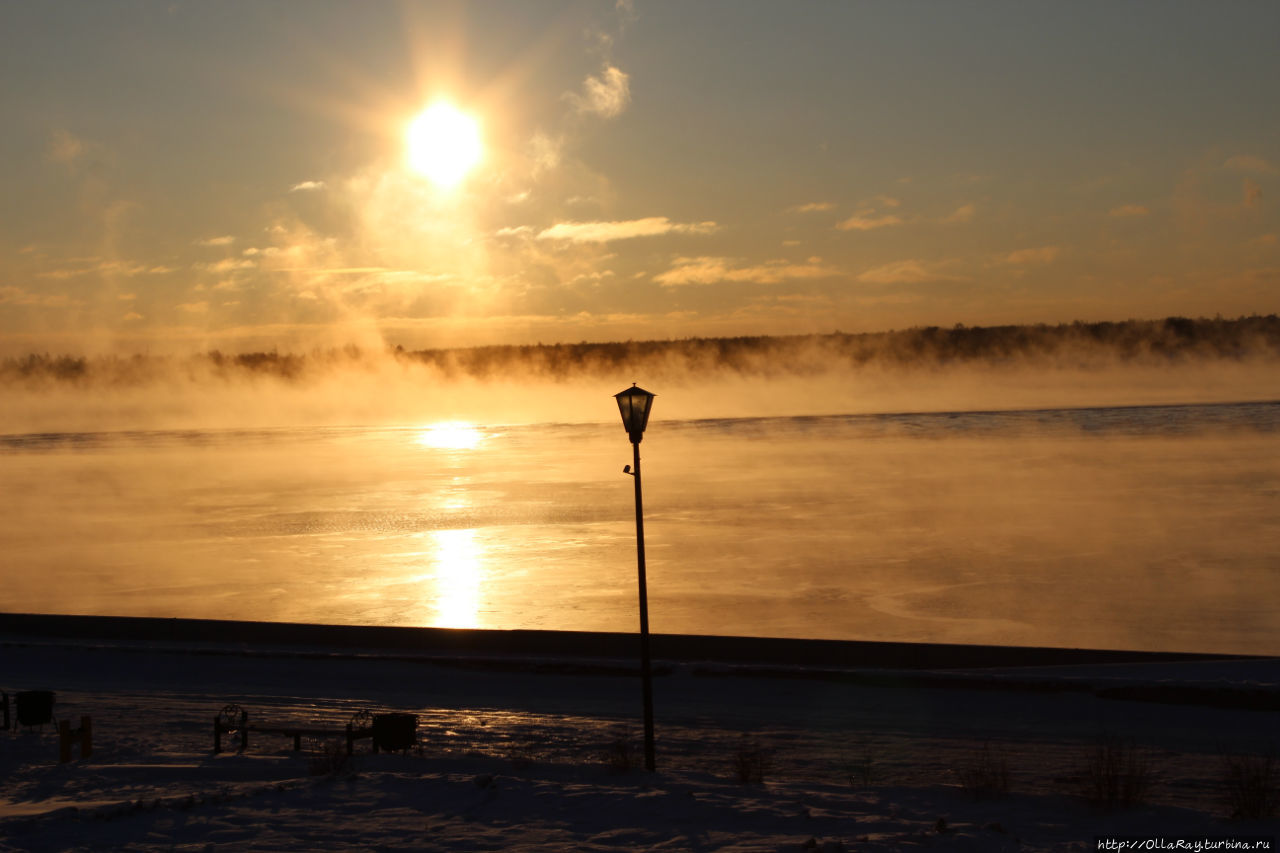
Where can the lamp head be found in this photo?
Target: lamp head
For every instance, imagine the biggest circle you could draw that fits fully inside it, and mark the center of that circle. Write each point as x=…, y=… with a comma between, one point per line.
x=634, y=404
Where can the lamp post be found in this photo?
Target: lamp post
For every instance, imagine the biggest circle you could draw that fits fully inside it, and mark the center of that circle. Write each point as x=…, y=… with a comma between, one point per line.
x=634, y=404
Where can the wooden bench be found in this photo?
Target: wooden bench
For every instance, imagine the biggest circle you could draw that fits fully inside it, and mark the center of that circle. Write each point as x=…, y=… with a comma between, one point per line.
x=386, y=730
x=31, y=708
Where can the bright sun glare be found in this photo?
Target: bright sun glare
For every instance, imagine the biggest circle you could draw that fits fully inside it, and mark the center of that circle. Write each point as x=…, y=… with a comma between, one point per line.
x=451, y=435
x=443, y=144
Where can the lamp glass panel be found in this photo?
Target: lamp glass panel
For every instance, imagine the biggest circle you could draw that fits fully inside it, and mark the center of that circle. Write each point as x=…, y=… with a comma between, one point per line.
x=634, y=404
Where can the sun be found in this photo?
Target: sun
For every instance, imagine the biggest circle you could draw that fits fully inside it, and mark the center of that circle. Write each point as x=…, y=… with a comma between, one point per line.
x=444, y=144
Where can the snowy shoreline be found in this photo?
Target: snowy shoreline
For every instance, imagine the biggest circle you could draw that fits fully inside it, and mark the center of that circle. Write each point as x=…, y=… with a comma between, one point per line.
x=869, y=760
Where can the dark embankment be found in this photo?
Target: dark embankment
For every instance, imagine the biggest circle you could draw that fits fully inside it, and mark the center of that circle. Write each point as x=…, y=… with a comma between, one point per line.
x=448, y=642
x=573, y=653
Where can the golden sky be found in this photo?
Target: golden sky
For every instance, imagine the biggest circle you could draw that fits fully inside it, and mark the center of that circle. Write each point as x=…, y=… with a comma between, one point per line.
x=185, y=175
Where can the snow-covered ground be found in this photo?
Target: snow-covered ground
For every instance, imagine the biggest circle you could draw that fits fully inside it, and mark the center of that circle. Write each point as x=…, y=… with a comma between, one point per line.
x=513, y=756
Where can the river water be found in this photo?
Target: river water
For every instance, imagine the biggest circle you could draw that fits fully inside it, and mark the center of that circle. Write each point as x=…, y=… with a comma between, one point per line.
x=1152, y=527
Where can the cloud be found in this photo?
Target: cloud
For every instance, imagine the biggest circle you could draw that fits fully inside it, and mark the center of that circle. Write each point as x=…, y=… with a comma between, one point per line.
x=514, y=231
x=888, y=201
x=1128, y=210
x=194, y=307
x=904, y=272
x=1026, y=257
x=711, y=270
x=606, y=95
x=228, y=265
x=1249, y=163
x=111, y=268
x=132, y=316
x=1265, y=240
x=964, y=213
x=812, y=207
x=64, y=147
x=593, y=277
x=545, y=152
x=10, y=295
x=865, y=222
x=345, y=270
x=225, y=240
x=604, y=232
x=307, y=186
x=1252, y=193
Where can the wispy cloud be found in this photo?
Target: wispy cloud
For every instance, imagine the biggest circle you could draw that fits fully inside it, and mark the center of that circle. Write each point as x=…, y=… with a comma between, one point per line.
x=711, y=270
x=10, y=295
x=1250, y=163
x=225, y=240
x=867, y=222
x=1128, y=210
x=1252, y=193
x=605, y=95
x=228, y=265
x=963, y=213
x=64, y=147
x=812, y=207
x=905, y=272
x=108, y=268
x=342, y=270
x=604, y=232
x=1029, y=257
x=307, y=186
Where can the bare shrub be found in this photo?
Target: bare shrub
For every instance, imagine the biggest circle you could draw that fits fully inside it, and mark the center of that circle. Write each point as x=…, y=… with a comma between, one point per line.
x=522, y=755
x=1117, y=775
x=1253, y=784
x=620, y=755
x=985, y=776
x=862, y=770
x=751, y=762
x=332, y=760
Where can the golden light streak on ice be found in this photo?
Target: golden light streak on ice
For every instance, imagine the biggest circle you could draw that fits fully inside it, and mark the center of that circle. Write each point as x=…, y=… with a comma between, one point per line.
x=459, y=572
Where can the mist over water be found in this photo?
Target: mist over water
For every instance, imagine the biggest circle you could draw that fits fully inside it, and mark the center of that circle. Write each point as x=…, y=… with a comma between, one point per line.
x=775, y=506
x=1112, y=485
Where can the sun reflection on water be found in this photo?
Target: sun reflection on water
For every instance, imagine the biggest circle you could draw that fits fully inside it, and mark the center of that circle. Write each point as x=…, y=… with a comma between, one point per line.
x=451, y=435
x=459, y=570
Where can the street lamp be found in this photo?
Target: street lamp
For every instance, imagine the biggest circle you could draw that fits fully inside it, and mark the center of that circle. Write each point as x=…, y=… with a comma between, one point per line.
x=634, y=404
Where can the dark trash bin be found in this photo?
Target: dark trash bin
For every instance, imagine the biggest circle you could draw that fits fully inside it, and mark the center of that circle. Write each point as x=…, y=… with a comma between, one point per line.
x=34, y=707
x=393, y=732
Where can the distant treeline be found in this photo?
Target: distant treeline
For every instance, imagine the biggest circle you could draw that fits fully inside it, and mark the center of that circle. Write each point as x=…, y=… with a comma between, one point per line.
x=1171, y=340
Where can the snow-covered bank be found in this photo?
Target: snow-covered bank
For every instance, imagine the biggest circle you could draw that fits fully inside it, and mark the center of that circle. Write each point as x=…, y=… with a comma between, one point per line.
x=520, y=759
x=397, y=803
